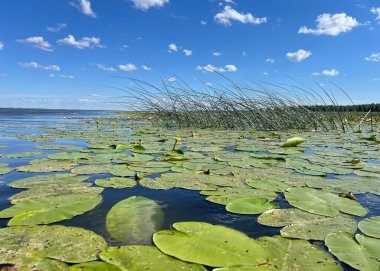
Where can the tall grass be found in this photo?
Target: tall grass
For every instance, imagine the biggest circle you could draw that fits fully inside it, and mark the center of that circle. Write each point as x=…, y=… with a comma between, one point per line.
x=259, y=106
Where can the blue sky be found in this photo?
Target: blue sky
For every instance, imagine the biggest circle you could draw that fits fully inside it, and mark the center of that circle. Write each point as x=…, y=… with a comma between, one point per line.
x=66, y=53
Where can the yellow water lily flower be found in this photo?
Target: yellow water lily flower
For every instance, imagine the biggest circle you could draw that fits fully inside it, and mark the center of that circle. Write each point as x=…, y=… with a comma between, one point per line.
x=177, y=138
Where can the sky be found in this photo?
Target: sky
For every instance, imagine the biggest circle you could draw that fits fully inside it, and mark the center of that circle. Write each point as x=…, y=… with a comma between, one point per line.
x=77, y=54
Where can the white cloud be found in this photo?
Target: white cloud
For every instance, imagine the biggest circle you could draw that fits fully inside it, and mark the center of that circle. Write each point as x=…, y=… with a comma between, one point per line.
x=332, y=72
x=128, y=67
x=265, y=73
x=1, y=45
x=62, y=76
x=172, y=79
x=106, y=68
x=299, y=55
x=316, y=74
x=172, y=47
x=269, y=60
x=35, y=65
x=57, y=28
x=37, y=42
x=144, y=5
x=374, y=57
x=216, y=53
x=187, y=52
x=84, y=6
x=146, y=68
x=228, y=14
x=85, y=42
x=229, y=1
x=124, y=47
x=212, y=68
x=332, y=25
x=203, y=22
x=376, y=11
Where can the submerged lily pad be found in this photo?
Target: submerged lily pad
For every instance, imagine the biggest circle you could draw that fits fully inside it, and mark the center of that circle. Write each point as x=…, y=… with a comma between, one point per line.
x=138, y=258
x=56, y=242
x=210, y=242
x=294, y=255
x=134, y=220
x=322, y=203
x=370, y=226
x=364, y=255
x=50, y=209
x=303, y=225
x=250, y=206
x=116, y=182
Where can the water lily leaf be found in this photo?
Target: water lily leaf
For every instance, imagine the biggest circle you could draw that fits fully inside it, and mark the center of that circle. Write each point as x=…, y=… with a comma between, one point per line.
x=250, y=206
x=322, y=203
x=92, y=169
x=116, y=182
x=94, y=266
x=148, y=169
x=136, y=157
x=137, y=258
x=69, y=156
x=247, y=268
x=360, y=256
x=47, y=165
x=247, y=162
x=59, y=147
x=50, y=209
x=22, y=154
x=48, y=180
x=293, y=255
x=266, y=183
x=134, y=220
x=370, y=226
x=5, y=170
x=121, y=170
x=55, y=242
x=293, y=142
x=36, y=261
x=203, y=243
x=303, y=225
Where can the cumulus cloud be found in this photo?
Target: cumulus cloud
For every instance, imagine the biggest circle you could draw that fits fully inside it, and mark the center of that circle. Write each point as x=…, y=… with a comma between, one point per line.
x=374, y=57
x=37, y=42
x=144, y=5
x=333, y=25
x=84, y=6
x=146, y=68
x=35, y=65
x=269, y=60
x=298, y=56
x=105, y=68
x=216, y=53
x=172, y=47
x=228, y=14
x=128, y=67
x=212, y=68
x=187, y=52
x=85, y=42
x=1, y=45
x=332, y=72
x=376, y=11
x=57, y=28
x=63, y=76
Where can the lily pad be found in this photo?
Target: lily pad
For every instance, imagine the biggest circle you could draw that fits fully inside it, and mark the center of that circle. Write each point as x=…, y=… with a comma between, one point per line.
x=94, y=266
x=50, y=209
x=250, y=206
x=47, y=180
x=322, y=203
x=293, y=142
x=22, y=154
x=121, y=171
x=116, y=182
x=55, y=242
x=203, y=243
x=294, y=255
x=137, y=258
x=92, y=169
x=266, y=183
x=361, y=256
x=134, y=220
x=246, y=268
x=303, y=225
x=370, y=226
x=69, y=156
x=47, y=165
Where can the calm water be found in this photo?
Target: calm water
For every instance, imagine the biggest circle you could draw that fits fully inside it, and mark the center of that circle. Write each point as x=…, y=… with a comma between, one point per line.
x=177, y=204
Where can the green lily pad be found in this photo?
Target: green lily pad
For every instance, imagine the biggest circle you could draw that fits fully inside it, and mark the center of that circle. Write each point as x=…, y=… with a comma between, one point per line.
x=361, y=256
x=134, y=220
x=116, y=182
x=48, y=180
x=59, y=147
x=36, y=261
x=69, y=156
x=303, y=225
x=294, y=255
x=55, y=242
x=47, y=165
x=203, y=243
x=293, y=142
x=5, y=170
x=50, y=209
x=322, y=203
x=250, y=206
x=121, y=171
x=94, y=266
x=92, y=169
x=246, y=268
x=267, y=184
x=22, y=154
x=138, y=258
x=370, y=226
